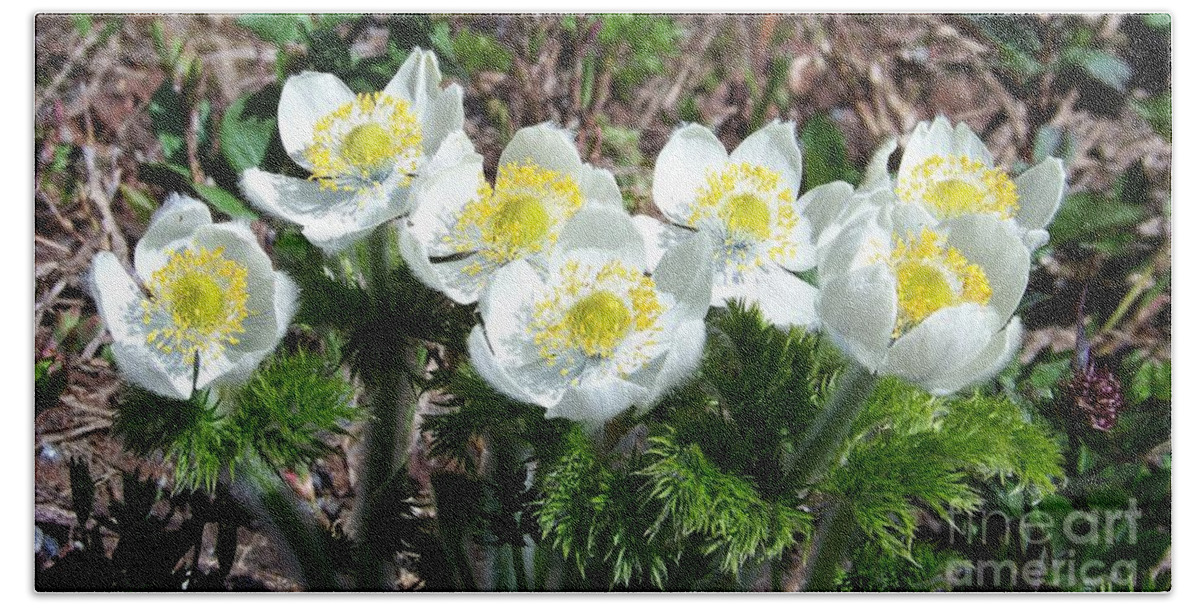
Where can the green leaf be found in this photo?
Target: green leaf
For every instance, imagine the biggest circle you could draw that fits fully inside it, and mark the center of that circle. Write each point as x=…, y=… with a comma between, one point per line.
x=1157, y=20
x=1157, y=111
x=141, y=203
x=83, y=24
x=1087, y=217
x=174, y=176
x=246, y=133
x=1103, y=66
x=826, y=158
x=1152, y=379
x=279, y=28
x=479, y=52
x=225, y=202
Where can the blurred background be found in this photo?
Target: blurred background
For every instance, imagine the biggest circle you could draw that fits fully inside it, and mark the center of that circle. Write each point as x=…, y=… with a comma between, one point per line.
x=129, y=108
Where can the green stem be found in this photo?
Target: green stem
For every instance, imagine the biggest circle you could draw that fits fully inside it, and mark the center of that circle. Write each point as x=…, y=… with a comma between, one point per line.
x=829, y=431
x=1144, y=282
x=262, y=492
x=391, y=400
x=518, y=559
x=836, y=534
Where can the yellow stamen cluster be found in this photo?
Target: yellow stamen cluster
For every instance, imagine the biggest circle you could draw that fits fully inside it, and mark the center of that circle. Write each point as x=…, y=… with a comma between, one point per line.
x=360, y=143
x=197, y=303
x=752, y=206
x=931, y=276
x=522, y=215
x=952, y=186
x=592, y=312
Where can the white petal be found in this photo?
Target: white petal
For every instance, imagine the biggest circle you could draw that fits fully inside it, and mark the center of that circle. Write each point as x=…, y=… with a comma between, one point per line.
x=351, y=221
x=825, y=205
x=417, y=80
x=859, y=309
x=986, y=241
x=233, y=372
x=658, y=237
x=909, y=218
x=444, y=116
x=995, y=356
x=505, y=308
x=484, y=361
x=1040, y=192
x=804, y=256
x=876, y=176
x=299, y=201
x=438, y=203
x=597, y=227
x=117, y=297
x=287, y=294
x=682, y=359
x=863, y=241
x=598, y=186
x=306, y=98
x=140, y=366
x=681, y=169
x=927, y=139
x=593, y=402
x=456, y=148
x=970, y=146
x=226, y=368
x=239, y=244
x=685, y=272
x=943, y=340
x=784, y=299
x=1034, y=239
x=774, y=147
x=447, y=277
x=170, y=229
x=545, y=146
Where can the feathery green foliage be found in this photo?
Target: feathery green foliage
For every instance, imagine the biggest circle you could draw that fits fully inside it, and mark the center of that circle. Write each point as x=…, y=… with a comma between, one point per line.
x=912, y=450
x=922, y=570
x=760, y=389
x=726, y=511
x=289, y=404
x=595, y=515
x=281, y=415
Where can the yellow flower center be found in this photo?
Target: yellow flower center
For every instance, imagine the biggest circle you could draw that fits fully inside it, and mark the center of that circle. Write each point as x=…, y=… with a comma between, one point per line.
x=750, y=211
x=931, y=276
x=362, y=142
x=523, y=220
x=747, y=213
x=521, y=216
x=197, y=303
x=598, y=322
x=592, y=312
x=367, y=146
x=952, y=186
x=197, y=300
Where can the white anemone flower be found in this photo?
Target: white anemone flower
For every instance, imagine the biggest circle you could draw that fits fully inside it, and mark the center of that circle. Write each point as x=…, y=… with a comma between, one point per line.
x=463, y=229
x=205, y=305
x=363, y=152
x=931, y=303
x=947, y=172
x=592, y=334
x=746, y=203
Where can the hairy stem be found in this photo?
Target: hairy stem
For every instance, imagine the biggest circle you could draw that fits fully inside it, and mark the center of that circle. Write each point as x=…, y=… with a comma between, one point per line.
x=262, y=492
x=391, y=401
x=836, y=533
x=830, y=429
